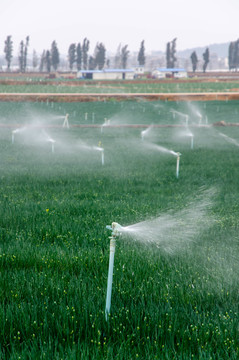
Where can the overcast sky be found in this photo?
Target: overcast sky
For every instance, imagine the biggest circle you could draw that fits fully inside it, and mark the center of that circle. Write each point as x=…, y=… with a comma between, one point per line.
x=194, y=23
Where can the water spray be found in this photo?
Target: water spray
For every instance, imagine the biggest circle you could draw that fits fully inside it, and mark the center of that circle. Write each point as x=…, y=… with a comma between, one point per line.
x=106, y=123
x=145, y=132
x=170, y=232
x=115, y=232
x=180, y=115
x=16, y=131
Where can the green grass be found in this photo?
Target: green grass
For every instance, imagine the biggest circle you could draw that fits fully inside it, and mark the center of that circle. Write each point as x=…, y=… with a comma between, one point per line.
x=55, y=248
x=121, y=87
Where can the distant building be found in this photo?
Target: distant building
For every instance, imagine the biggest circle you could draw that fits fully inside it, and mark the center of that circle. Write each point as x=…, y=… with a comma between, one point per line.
x=107, y=74
x=162, y=73
x=139, y=70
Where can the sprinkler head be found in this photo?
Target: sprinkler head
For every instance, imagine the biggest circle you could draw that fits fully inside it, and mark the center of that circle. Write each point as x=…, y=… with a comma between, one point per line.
x=115, y=228
x=179, y=154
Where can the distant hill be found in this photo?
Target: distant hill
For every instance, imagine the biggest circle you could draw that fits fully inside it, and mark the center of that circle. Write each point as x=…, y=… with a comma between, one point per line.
x=220, y=49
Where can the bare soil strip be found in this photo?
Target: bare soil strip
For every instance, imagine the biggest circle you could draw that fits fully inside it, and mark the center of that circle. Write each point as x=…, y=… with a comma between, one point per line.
x=78, y=97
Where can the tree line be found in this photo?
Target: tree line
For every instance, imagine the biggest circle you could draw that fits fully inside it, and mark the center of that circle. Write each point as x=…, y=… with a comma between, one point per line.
x=171, y=58
x=78, y=55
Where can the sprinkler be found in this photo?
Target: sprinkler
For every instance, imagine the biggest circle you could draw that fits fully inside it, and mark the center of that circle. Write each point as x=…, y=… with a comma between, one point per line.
x=115, y=232
x=15, y=132
x=192, y=138
x=186, y=119
x=52, y=145
x=101, y=149
x=102, y=157
x=106, y=123
x=66, y=122
x=177, y=166
x=86, y=116
x=145, y=132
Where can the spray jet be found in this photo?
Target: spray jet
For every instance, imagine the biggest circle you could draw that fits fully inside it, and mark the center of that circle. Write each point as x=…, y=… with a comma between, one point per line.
x=116, y=230
x=145, y=132
x=106, y=123
x=19, y=130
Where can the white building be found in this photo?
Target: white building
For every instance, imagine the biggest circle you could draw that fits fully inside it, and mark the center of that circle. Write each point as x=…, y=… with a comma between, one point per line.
x=162, y=73
x=106, y=74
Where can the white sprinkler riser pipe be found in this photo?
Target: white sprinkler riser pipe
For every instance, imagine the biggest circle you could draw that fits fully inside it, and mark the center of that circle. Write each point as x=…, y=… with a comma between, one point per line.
x=186, y=120
x=102, y=157
x=191, y=142
x=12, y=138
x=110, y=276
x=177, y=167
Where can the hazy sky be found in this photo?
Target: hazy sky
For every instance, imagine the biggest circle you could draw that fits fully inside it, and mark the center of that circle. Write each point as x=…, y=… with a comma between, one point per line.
x=194, y=23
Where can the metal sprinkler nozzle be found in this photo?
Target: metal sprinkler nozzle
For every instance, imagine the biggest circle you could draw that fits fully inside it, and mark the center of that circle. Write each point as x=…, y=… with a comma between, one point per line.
x=115, y=228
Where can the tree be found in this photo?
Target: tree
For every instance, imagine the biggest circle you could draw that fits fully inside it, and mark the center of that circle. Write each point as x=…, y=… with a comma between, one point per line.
x=48, y=61
x=72, y=55
x=8, y=49
x=85, y=49
x=22, y=58
x=42, y=61
x=141, y=54
x=124, y=56
x=92, y=64
x=206, y=59
x=233, y=55
x=194, y=60
x=168, y=56
x=25, y=52
x=78, y=56
x=34, y=59
x=230, y=55
x=55, y=56
x=100, y=55
x=171, y=54
x=117, y=59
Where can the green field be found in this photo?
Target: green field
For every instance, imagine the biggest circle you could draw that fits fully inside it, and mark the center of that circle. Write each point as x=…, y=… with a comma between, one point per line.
x=119, y=87
x=175, y=292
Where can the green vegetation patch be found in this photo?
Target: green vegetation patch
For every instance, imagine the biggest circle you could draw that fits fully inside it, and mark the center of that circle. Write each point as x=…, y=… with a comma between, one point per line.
x=167, y=302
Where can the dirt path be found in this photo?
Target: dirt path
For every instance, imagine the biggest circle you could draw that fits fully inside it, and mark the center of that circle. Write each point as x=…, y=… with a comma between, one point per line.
x=81, y=97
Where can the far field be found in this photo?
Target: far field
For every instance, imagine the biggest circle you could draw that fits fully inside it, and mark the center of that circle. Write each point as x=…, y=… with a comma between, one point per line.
x=43, y=85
